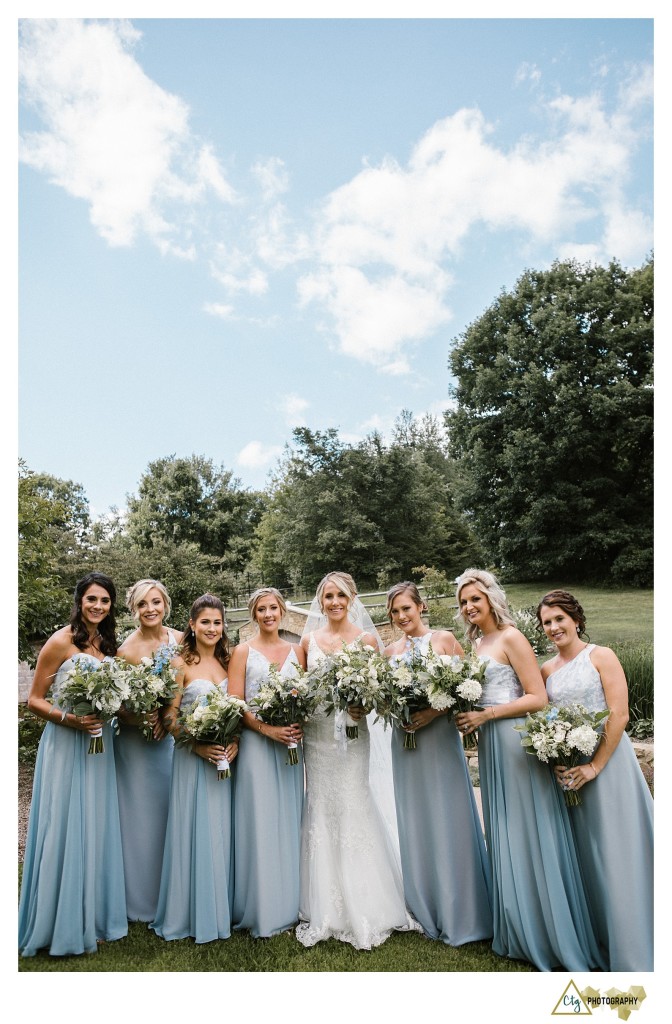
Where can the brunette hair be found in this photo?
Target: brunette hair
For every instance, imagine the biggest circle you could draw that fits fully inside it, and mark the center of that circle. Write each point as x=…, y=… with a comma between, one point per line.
x=139, y=590
x=569, y=604
x=402, y=588
x=107, y=629
x=188, y=650
x=488, y=585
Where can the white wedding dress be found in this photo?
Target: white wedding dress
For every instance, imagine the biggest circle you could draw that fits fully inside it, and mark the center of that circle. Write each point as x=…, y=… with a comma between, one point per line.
x=350, y=878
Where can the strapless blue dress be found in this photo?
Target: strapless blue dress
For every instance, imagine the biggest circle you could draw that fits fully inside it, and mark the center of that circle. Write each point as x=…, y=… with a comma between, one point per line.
x=540, y=909
x=267, y=822
x=613, y=833
x=73, y=876
x=197, y=872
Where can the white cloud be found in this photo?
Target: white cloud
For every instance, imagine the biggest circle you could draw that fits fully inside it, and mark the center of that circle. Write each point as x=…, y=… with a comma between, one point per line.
x=220, y=309
x=384, y=239
x=257, y=455
x=292, y=408
x=527, y=73
x=112, y=136
x=272, y=176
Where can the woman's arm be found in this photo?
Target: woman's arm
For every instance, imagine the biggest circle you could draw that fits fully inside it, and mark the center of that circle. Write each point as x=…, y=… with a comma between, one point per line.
x=56, y=650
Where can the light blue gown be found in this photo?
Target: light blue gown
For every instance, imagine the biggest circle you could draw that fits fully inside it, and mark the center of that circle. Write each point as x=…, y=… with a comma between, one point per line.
x=613, y=833
x=267, y=822
x=143, y=784
x=443, y=858
x=197, y=873
x=539, y=904
x=73, y=877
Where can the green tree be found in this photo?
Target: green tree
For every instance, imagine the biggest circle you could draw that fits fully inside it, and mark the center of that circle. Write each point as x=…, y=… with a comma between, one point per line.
x=192, y=501
x=43, y=599
x=373, y=509
x=554, y=423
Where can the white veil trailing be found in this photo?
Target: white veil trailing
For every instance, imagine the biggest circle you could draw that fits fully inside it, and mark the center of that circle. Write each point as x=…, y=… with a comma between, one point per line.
x=380, y=753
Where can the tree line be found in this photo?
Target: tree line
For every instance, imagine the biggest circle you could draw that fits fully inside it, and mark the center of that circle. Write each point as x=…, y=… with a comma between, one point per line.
x=543, y=467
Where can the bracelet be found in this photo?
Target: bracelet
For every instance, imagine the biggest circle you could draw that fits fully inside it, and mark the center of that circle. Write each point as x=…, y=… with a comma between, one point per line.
x=595, y=773
x=492, y=708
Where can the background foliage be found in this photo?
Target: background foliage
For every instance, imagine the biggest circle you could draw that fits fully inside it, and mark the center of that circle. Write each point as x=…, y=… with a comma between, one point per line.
x=553, y=427
x=542, y=469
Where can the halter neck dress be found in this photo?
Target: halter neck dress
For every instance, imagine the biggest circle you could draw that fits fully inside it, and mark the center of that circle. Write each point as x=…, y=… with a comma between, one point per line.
x=613, y=832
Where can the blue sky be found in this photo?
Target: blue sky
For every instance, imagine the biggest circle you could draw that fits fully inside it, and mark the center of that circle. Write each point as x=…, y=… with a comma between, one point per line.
x=229, y=228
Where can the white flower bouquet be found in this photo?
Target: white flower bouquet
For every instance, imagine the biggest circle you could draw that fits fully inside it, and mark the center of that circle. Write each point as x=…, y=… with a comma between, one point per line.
x=152, y=684
x=562, y=734
x=94, y=688
x=407, y=684
x=215, y=717
x=352, y=678
x=284, y=700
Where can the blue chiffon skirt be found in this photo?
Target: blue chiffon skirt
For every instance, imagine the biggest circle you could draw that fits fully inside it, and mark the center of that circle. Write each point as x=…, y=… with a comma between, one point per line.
x=197, y=874
x=73, y=877
x=143, y=786
x=613, y=833
x=443, y=858
x=540, y=909
x=267, y=831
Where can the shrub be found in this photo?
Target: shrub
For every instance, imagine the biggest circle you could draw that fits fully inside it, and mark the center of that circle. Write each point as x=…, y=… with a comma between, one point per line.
x=637, y=661
x=30, y=730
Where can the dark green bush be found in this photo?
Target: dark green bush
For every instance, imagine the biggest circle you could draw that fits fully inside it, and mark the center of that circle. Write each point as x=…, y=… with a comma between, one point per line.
x=30, y=730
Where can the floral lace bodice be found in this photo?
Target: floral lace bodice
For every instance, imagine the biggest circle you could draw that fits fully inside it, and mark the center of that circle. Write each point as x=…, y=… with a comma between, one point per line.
x=577, y=683
x=501, y=685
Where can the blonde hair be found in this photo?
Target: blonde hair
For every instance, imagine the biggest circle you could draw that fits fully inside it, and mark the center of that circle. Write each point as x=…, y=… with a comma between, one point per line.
x=343, y=581
x=139, y=590
x=488, y=585
x=402, y=588
x=256, y=597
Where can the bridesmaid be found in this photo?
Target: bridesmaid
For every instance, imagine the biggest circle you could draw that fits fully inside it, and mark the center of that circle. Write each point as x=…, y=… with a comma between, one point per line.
x=269, y=792
x=144, y=767
x=197, y=873
x=539, y=905
x=613, y=824
x=444, y=864
x=72, y=895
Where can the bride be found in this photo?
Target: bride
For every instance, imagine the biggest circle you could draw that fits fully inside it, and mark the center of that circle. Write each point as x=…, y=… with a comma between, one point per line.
x=351, y=887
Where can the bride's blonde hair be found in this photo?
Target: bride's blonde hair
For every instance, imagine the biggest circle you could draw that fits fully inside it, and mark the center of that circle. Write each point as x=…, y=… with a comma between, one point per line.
x=343, y=581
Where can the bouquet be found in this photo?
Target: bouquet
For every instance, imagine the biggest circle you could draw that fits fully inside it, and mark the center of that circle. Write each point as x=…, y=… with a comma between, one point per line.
x=352, y=677
x=152, y=684
x=214, y=717
x=562, y=735
x=282, y=700
x=407, y=688
x=94, y=688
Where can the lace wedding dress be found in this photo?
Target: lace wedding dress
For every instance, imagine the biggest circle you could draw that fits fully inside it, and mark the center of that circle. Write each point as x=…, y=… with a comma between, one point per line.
x=351, y=887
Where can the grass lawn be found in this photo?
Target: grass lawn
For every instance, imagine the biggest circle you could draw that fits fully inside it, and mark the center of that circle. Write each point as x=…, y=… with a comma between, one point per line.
x=611, y=615
x=142, y=950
